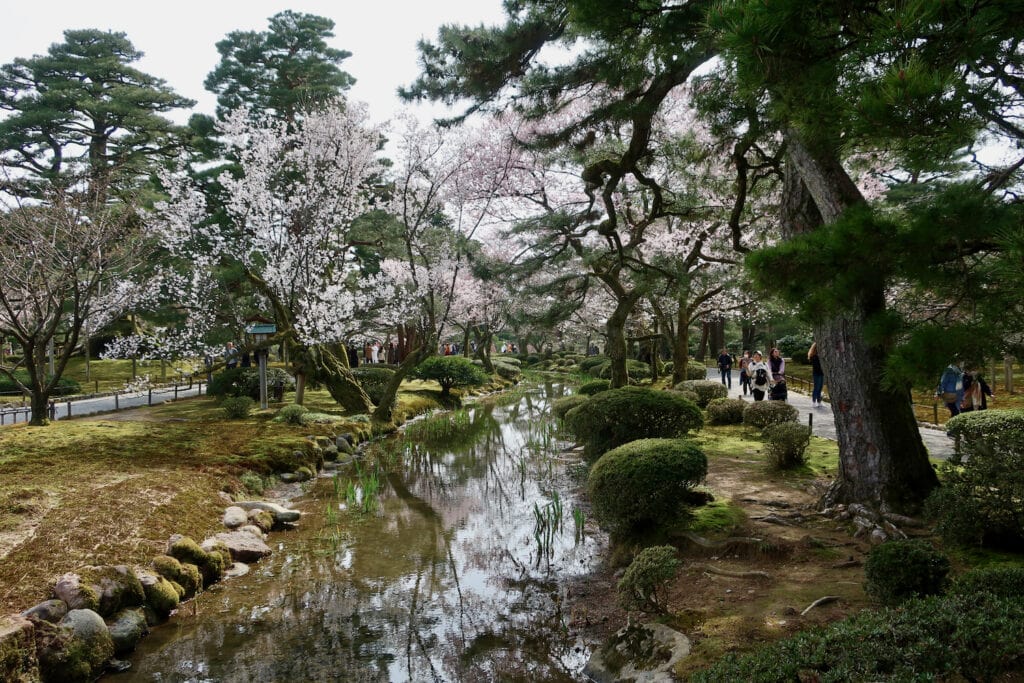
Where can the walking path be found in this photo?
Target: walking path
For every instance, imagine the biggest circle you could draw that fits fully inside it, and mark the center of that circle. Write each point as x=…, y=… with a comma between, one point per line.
x=938, y=444
x=107, y=403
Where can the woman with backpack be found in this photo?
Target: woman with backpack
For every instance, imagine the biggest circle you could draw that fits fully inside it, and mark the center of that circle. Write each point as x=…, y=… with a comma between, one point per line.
x=757, y=369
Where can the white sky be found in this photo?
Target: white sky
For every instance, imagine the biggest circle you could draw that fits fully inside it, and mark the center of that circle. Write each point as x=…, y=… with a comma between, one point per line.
x=179, y=37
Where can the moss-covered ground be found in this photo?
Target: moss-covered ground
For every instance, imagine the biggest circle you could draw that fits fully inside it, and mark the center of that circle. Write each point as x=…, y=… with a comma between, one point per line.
x=113, y=488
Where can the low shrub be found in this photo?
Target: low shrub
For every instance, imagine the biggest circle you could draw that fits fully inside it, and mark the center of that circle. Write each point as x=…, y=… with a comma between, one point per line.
x=760, y=414
x=706, y=390
x=450, y=372
x=959, y=637
x=561, y=406
x=617, y=416
x=726, y=411
x=1005, y=582
x=292, y=414
x=643, y=482
x=688, y=395
x=253, y=483
x=649, y=573
x=237, y=407
x=902, y=569
x=506, y=370
x=246, y=382
x=373, y=379
x=668, y=367
x=785, y=443
x=634, y=368
x=533, y=359
x=695, y=371
x=795, y=347
x=588, y=364
x=594, y=387
x=979, y=502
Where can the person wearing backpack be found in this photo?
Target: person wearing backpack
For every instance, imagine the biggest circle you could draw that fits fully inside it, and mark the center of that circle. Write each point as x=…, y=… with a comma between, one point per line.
x=951, y=388
x=758, y=371
x=725, y=367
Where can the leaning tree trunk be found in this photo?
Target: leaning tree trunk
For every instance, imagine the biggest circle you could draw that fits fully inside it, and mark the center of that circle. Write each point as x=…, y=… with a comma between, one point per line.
x=882, y=460
x=483, y=349
x=320, y=364
x=385, y=410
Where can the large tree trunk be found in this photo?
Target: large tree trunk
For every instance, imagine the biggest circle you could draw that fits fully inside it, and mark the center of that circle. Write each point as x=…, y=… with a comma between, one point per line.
x=882, y=460
x=483, y=349
x=705, y=332
x=616, y=348
x=749, y=332
x=681, y=344
x=385, y=410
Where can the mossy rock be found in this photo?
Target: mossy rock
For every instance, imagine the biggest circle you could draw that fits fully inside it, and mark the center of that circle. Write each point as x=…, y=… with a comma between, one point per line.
x=211, y=564
x=262, y=519
x=127, y=628
x=75, y=650
x=161, y=594
x=186, y=575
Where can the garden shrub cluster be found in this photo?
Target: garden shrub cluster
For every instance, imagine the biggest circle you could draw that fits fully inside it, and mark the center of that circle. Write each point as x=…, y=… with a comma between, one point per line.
x=561, y=406
x=785, y=443
x=246, y=382
x=66, y=386
x=588, y=364
x=292, y=413
x=634, y=368
x=237, y=407
x=450, y=372
x=646, y=576
x=695, y=371
x=706, y=390
x=760, y=414
x=795, y=346
x=594, y=387
x=506, y=367
x=979, y=502
x=644, y=482
x=726, y=411
x=1005, y=582
x=958, y=637
x=373, y=380
x=898, y=570
x=617, y=416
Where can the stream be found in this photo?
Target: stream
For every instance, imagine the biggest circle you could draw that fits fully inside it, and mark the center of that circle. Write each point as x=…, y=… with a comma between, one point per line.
x=447, y=565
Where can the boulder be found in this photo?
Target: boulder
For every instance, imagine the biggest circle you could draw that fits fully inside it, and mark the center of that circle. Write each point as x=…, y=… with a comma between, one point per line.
x=331, y=453
x=18, y=663
x=185, y=574
x=243, y=546
x=641, y=653
x=76, y=649
x=254, y=530
x=71, y=589
x=262, y=519
x=344, y=444
x=161, y=595
x=236, y=569
x=126, y=630
x=234, y=517
x=48, y=610
x=281, y=514
x=211, y=562
x=322, y=441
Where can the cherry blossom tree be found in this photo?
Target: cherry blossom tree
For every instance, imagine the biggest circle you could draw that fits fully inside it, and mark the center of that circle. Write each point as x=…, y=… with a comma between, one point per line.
x=65, y=265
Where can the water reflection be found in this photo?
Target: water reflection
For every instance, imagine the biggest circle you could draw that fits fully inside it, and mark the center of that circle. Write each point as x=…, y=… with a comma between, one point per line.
x=444, y=582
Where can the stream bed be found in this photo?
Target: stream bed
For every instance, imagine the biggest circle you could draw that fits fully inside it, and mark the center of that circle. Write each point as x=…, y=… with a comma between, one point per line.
x=448, y=564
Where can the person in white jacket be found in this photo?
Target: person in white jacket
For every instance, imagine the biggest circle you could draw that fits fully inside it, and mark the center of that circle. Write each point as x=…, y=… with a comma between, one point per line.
x=758, y=381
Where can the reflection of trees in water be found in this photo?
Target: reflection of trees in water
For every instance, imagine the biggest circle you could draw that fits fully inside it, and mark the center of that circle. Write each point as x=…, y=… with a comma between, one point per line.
x=426, y=590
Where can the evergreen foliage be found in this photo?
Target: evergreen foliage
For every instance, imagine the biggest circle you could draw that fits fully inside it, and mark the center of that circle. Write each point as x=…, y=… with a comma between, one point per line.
x=649, y=572
x=761, y=414
x=706, y=390
x=561, y=406
x=726, y=411
x=450, y=372
x=594, y=387
x=785, y=443
x=898, y=570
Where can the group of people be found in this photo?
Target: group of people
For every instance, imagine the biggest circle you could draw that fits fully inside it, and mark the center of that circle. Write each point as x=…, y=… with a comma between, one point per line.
x=761, y=378
x=963, y=390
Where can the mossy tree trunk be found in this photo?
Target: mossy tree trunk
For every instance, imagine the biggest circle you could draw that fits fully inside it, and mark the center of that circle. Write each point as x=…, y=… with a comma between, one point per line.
x=385, y=410
x=882, y=460
x=483, y=340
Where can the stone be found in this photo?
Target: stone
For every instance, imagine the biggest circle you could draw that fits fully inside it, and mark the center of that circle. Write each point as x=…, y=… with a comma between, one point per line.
x=344, y=444
x=234, y=517
x=127, y=628
x=77, y=649
x=254, y=530
x=262, y=519
x=161, y=596
x=116, y=586
x=244, y=547
x=70, y=589
x=281, y=514
x=878, y=536
x=236, y=569
x=225, y=496
x=322, y=441
x=331, y=453
x=48, y=610
x=649, y=653
x=18, y=662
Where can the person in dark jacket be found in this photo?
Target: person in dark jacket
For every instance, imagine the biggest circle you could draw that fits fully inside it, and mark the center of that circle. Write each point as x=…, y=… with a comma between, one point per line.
x=817, y=374
x=725, y=367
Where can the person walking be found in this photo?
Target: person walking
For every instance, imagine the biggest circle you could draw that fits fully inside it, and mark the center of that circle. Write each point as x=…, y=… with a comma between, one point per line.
x=375, y=353
x=744, y=375
x=758, y=371
x=951, y=388
x=231, y=356
x=976, y=389
x=725, y=367
x=817, y=374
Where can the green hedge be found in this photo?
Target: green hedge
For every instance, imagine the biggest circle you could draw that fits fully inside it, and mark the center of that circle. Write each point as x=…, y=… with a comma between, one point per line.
x=974, y=637
x=1006, y=582
x=594, y=387
x=246, y=382
x=706, y=390
x=760, y=414
x=898, y=570
x=642, y=482
x=983, y=484
x=588, y=364
x=617, y=416
x=561, y=406
x=373, y=379
x=785, y=443
x=726, y=411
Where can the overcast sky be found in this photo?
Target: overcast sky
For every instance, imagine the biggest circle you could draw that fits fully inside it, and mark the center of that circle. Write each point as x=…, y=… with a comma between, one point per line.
x=179, y=37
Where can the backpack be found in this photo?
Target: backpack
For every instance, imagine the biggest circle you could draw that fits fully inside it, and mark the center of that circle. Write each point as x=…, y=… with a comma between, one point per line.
x=761, y=376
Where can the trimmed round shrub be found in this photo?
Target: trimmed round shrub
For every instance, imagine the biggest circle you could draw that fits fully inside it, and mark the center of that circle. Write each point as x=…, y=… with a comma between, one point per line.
x=617, y=416
x=979, y=502
x=706, y=390
x=594, y=387
x=246, y=382
x=634, y=368
x=506, y=370
x=450, y=372
x=695, y=371
x=760, y=414
x=561, y=406
x=795, y=347
x=533, y=359
x=649, y=573
x=785, y=444
x=588, y=364
x=726, y=411
x=898, y=570
x=688, y=395
x=642, y=482
x=373, y=380
x=292, y=413
x=1006, y=582
x=237, y=407
x=954, y=638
